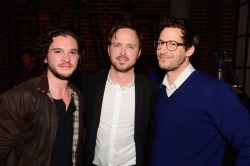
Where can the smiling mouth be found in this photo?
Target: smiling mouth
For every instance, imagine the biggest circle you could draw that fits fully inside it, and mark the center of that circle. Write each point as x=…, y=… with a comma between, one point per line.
x=122, y=59
x=164, y=57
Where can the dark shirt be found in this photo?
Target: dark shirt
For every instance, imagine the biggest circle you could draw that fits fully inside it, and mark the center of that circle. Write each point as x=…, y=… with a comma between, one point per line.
x=62, y=149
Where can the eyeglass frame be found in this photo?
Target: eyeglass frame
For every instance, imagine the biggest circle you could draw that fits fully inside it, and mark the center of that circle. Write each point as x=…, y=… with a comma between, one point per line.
x=170, y=41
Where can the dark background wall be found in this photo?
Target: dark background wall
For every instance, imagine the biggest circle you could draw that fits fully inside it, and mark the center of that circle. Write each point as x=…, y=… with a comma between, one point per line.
x=22, y=20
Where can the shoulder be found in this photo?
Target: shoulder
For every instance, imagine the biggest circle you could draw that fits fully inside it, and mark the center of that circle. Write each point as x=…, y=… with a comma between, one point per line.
x=95, y=75
x=26, y=91
x=142, y=80
x=210, y=83
x=202, y=77
x=30, y=85
x=92, y=80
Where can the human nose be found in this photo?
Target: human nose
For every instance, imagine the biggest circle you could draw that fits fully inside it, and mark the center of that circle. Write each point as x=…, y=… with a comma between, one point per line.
x=66, y=57
x=123, y=50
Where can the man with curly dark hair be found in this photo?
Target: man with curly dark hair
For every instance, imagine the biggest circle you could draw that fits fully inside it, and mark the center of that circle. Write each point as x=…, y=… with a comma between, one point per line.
x=41, y=119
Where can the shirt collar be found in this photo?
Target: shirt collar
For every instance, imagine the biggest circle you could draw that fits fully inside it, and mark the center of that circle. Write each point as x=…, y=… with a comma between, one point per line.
x=181, y=78
x=127, y=86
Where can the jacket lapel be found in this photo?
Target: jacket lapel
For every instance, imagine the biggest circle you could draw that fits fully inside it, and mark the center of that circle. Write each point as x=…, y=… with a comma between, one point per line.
x=138, y=104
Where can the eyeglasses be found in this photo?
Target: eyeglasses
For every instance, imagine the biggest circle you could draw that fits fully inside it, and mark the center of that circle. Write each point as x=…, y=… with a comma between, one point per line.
x=171, y=45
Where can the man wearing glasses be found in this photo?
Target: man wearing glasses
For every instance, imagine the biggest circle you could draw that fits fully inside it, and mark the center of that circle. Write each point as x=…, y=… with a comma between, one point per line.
x=196, y=114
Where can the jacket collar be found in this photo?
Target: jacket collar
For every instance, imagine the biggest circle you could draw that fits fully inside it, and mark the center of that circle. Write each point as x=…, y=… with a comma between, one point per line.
x=43, y=85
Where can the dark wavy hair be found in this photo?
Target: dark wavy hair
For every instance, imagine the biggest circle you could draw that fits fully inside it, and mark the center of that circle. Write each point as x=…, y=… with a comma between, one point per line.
x=125, y=24
x=190, y=34
x=44, y=41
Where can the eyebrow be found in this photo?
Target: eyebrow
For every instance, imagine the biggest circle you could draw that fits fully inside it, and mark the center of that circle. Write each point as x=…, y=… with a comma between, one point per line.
x=125, y=44
x=63, y=49
x=74, y=50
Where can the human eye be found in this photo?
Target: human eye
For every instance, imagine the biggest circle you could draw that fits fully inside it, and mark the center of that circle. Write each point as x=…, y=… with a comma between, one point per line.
x=131, y=46
x=172, y=43
x=160, y=43
x=117, y=45
x=57, y=51
x=73, y=52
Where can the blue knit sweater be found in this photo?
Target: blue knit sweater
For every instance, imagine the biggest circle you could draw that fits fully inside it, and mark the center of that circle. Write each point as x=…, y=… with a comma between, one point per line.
x=193, y=124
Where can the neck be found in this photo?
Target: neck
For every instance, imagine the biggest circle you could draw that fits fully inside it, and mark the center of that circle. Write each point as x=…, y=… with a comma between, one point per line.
x=58, y=87
x=122, y=78
x=174, y=74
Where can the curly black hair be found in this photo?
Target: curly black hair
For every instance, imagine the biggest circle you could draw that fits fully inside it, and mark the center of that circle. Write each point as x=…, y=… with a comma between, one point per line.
x=44, y=41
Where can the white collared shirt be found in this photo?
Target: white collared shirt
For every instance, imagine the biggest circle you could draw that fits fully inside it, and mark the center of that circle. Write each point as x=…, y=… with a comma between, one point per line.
x=170, y=89
x=115, y=136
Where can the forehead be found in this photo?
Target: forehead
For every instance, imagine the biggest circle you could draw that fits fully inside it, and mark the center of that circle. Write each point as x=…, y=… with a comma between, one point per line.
x=171, y=34
x=125, y=34
x=64, y=41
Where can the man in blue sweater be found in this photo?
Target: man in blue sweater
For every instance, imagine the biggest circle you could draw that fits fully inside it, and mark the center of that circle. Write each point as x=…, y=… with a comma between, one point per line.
x=196, y=114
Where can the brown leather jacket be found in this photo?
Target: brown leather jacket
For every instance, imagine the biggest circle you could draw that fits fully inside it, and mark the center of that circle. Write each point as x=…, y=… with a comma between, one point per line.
x=28, y=123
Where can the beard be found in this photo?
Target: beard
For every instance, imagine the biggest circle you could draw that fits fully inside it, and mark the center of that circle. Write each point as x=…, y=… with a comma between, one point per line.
x=59, y=75
x=121, y=68
x=174, y=65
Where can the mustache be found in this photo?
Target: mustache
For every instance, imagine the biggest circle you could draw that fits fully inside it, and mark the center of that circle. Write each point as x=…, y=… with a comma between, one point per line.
x=122, y=56
x=164, y=55
x=66, y=64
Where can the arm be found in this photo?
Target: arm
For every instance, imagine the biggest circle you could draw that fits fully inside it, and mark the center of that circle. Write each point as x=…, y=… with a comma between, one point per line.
x=10, y=124
x=233, y=121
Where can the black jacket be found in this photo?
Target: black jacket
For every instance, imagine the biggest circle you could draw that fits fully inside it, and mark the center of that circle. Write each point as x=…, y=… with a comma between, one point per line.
x=146, y=94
